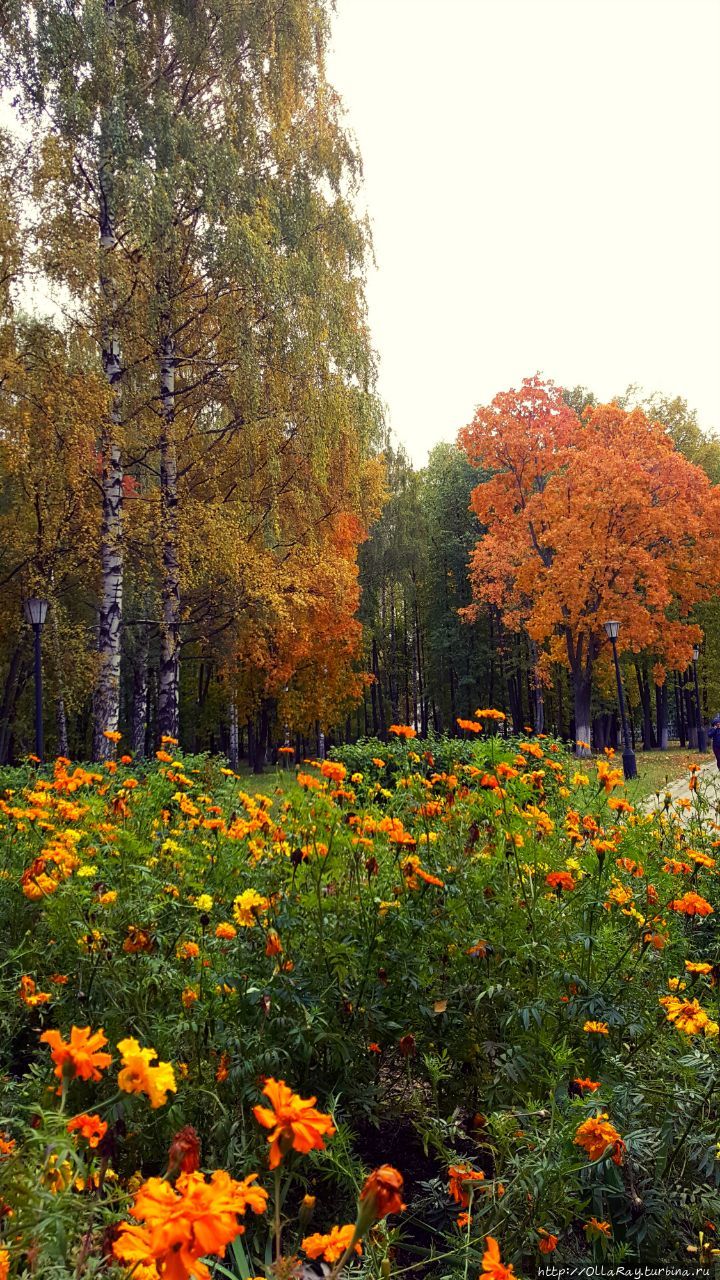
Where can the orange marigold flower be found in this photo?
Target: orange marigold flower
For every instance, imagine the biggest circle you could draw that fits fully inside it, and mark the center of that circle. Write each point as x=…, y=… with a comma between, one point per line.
x=184, y=1153
x=184, y=1223
x=187, y=951
x=80, y=1055
x=4, y=1264
x=460, y=1178
x=138, y=1075
x=91, y=1128
x=479, y=948
x=112, y=735
x=29, y=993
x=596, y=1135
x=294, y=1122
x=226, y=930
x=273, y=945
x=402, y=731
x=490, y=714
x=223, y=1070
x=332, y=1246
x=492, y=1264
x=594, y=1227
x=374, y=1048
x=559, y=880
x=428, y=878
x=548, y=1242
x=691, y=904
x=600, y=1028
x=470, y=726
x=587, y=1085
x=698, y=966
x=333, y=770
x=7, y=1144
x=381, y=1194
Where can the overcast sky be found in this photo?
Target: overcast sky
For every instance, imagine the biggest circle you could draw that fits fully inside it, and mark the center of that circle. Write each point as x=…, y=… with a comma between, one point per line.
x=543, y=179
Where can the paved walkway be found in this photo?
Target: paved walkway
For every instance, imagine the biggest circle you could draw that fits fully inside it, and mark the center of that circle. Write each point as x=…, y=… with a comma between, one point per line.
x=709, y=778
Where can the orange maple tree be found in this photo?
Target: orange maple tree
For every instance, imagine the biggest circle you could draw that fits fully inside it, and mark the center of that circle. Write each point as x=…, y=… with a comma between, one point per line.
x=589, y=519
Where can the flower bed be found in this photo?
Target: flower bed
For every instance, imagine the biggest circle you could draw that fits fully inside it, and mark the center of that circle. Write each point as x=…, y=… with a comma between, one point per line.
x=470, y=960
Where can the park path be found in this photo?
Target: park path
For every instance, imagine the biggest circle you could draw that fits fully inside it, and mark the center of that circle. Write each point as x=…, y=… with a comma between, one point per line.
x=709, y=778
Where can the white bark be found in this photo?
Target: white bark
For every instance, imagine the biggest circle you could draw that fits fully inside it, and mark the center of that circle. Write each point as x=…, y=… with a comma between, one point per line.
x=169, y=674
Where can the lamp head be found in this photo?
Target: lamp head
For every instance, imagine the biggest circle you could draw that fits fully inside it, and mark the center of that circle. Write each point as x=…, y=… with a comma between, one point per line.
x=612, y=629
x=35, y=611
x=696, y=652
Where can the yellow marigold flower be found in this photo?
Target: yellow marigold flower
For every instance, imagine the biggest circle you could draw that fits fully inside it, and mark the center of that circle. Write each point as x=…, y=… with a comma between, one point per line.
x=600, y=1028
x=138, y=1075
x=204, y=902
x=247, y=906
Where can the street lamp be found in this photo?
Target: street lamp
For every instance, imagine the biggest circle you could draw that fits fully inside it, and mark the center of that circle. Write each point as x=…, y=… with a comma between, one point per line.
x=629, y=762
x=35, y=611
x=702, y=736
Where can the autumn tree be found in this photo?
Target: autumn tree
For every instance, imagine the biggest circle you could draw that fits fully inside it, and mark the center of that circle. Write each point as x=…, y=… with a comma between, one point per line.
x=588, y=519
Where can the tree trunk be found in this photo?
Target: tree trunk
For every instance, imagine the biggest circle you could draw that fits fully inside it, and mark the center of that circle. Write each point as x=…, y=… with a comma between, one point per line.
x=106, y=698
x=138, y=732
x=60, y=716
x=234, y=735
x=378, y=689
x=169, y=691
x=538, y=701
x=14, y=683
x=661, y=715
x=582, y=694
x=649, y=741
x=690, y=712
x=679, y=709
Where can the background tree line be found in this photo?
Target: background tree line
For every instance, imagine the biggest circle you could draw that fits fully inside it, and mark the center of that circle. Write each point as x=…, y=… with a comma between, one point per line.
x=432, y=663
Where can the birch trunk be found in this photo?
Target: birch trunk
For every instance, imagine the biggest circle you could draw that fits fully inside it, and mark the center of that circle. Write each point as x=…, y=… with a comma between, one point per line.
x=106, y=700
x=106, y=695
x=169, y=674
x=60, y=715
x=140, y=696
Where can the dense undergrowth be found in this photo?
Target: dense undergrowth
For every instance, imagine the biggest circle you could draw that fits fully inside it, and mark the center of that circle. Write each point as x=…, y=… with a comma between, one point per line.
x=490, y=971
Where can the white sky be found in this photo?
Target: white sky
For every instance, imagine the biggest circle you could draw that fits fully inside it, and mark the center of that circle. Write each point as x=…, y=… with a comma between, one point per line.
x=543, y=179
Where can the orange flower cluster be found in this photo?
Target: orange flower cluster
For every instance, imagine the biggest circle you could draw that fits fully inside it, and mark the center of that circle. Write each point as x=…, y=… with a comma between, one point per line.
x=403, y=731
x=596, y=1135
x=294, y=1122
x=691, y=904
x=185, y=1223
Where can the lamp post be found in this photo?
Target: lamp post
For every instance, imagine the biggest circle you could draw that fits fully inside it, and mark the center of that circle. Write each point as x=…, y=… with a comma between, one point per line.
x=629, y=762
x=35, y=611
x=702, y=736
